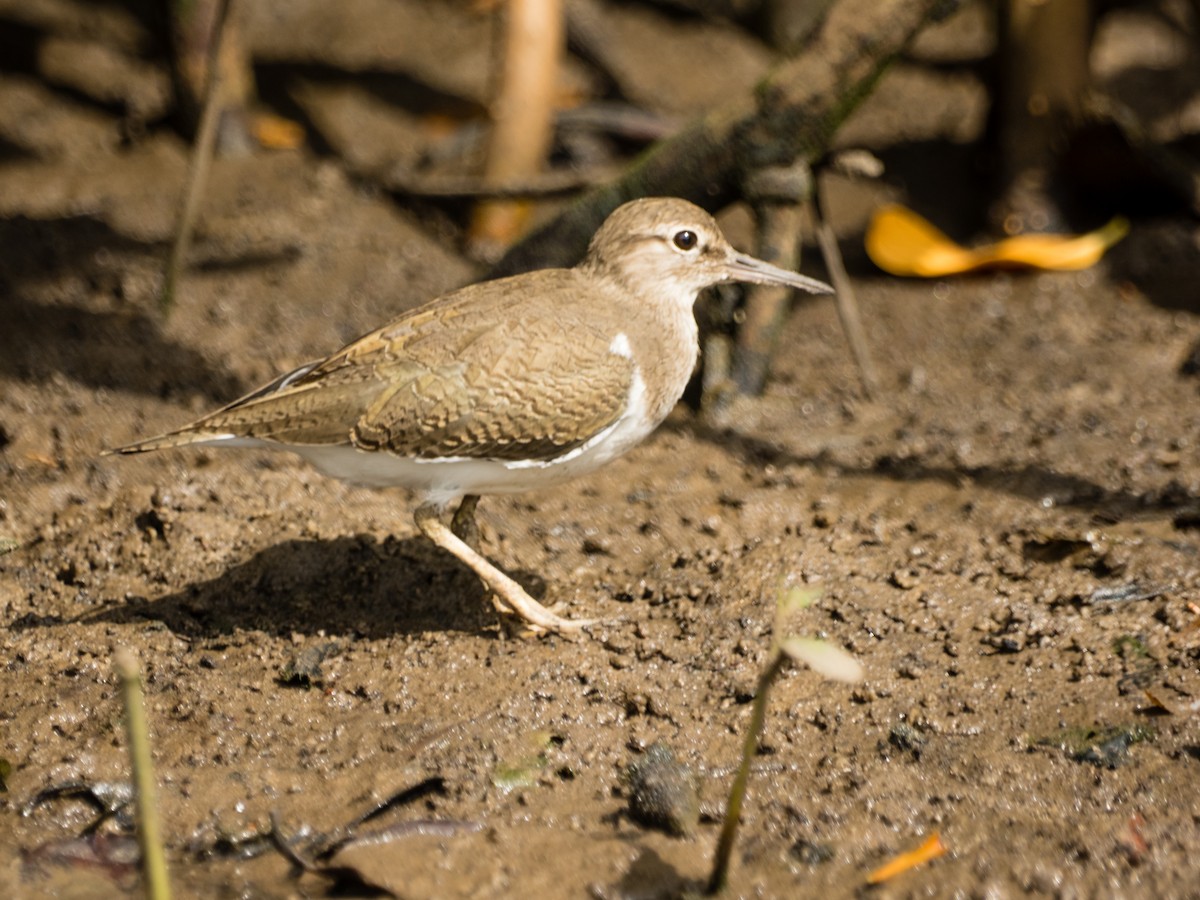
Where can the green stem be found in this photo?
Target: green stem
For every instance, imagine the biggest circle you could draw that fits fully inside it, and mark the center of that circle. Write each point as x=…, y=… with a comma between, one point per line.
x=154, y=863
x=737, y=793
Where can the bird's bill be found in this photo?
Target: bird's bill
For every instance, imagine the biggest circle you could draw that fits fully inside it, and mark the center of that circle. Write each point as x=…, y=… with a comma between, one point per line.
x=746, y=268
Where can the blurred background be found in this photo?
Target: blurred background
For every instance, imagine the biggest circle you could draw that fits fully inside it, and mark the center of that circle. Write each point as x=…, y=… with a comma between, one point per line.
x=1001, y=521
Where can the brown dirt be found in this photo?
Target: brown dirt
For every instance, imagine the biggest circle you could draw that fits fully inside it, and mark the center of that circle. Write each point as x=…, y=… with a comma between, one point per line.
x=1007, y=541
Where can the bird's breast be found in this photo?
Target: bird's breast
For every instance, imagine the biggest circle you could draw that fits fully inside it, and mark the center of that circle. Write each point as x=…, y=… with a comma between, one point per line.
x=665, y=354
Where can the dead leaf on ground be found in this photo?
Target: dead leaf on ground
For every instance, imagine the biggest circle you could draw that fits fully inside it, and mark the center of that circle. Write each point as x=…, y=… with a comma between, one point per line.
x=903, y=243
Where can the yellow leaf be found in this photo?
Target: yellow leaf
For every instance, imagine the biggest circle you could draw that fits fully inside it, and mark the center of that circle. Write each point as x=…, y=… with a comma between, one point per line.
x=931, y=849
x=902, y=243
x=277, y=133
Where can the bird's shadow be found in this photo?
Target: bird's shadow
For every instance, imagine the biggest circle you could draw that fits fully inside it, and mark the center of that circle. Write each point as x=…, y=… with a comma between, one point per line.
x=354, y=586
x=362, y=586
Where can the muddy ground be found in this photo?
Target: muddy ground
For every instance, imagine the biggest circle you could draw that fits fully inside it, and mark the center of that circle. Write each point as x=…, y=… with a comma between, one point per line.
x=1007, y=539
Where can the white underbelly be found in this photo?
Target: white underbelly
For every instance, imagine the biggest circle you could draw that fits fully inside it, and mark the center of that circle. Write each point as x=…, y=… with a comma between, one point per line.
x=444, y=480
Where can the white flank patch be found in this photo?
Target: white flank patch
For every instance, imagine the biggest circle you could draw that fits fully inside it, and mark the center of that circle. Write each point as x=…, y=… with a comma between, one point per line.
x=620, y=346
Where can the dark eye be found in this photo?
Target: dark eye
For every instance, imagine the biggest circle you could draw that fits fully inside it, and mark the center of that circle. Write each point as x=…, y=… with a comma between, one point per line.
x=685, y=240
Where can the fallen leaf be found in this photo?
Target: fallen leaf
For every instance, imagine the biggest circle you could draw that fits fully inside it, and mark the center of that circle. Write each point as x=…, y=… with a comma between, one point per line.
x=277, y=133
x=931, y=849
x=902, y=243
x=1132, y=841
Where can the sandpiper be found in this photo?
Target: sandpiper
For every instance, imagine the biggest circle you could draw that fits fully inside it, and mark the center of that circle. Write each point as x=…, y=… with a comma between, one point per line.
x=506, y=385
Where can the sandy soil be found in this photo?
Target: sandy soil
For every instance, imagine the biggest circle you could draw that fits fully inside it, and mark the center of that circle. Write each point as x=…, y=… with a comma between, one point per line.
x=1006, y=540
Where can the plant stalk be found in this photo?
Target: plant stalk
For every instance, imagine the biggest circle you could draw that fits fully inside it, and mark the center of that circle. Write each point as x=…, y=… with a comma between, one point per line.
x=154, y=864
x=737, y=793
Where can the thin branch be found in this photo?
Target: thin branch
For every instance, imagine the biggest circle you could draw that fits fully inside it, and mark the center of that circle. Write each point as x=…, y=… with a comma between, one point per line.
x=544, y=184
x=202, y=154
x=846, y=300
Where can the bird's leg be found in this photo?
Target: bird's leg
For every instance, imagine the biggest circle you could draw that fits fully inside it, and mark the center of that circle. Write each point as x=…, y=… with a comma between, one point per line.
x=465, y=527
x=463, y=524
x=537, y=616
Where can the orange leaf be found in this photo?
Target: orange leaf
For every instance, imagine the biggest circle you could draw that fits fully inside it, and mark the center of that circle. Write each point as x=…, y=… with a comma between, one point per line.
x=277, y=133
x=902, y=243
x=931, y=849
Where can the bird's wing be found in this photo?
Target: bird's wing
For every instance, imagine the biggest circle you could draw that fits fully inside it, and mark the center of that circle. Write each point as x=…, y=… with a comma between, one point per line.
x=483, y=373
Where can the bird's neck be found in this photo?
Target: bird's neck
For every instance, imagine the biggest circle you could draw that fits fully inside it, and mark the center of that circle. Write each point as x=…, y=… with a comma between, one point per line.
x=660, y=325
x=642, y=275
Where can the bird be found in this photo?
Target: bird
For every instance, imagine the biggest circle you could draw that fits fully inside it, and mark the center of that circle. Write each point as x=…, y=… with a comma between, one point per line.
x=507, y=385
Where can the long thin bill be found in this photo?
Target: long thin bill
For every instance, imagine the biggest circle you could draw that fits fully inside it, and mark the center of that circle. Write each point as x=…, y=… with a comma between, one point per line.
x=746, y=268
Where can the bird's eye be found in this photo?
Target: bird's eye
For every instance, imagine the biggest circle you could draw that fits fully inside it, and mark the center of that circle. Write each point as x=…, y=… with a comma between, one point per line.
x=685, y=240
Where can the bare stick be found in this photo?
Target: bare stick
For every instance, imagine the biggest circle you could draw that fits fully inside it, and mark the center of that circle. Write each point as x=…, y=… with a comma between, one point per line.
x=847, y=302
x=522, y=114
x=154, y=864
x=540, y=184
x=201, y=161
x=777, y=194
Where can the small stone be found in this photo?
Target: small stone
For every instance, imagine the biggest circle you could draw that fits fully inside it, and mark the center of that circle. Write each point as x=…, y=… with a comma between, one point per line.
x=596, y=547
x=663, y=792
x=810, y=853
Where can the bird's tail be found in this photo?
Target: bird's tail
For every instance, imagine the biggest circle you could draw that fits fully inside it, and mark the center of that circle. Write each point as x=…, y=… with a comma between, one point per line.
x=171, y=439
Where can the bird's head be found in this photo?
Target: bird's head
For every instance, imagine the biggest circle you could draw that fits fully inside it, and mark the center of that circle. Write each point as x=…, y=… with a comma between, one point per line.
x=667, y=247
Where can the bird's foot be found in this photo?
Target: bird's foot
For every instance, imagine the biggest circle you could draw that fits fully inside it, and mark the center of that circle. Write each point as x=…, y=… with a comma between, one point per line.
x=508, y=596
x=519, y=625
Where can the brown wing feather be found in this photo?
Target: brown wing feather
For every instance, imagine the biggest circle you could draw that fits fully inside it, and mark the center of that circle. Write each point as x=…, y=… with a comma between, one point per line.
x=486, y=372
x=528, y=380
x=499, y=400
